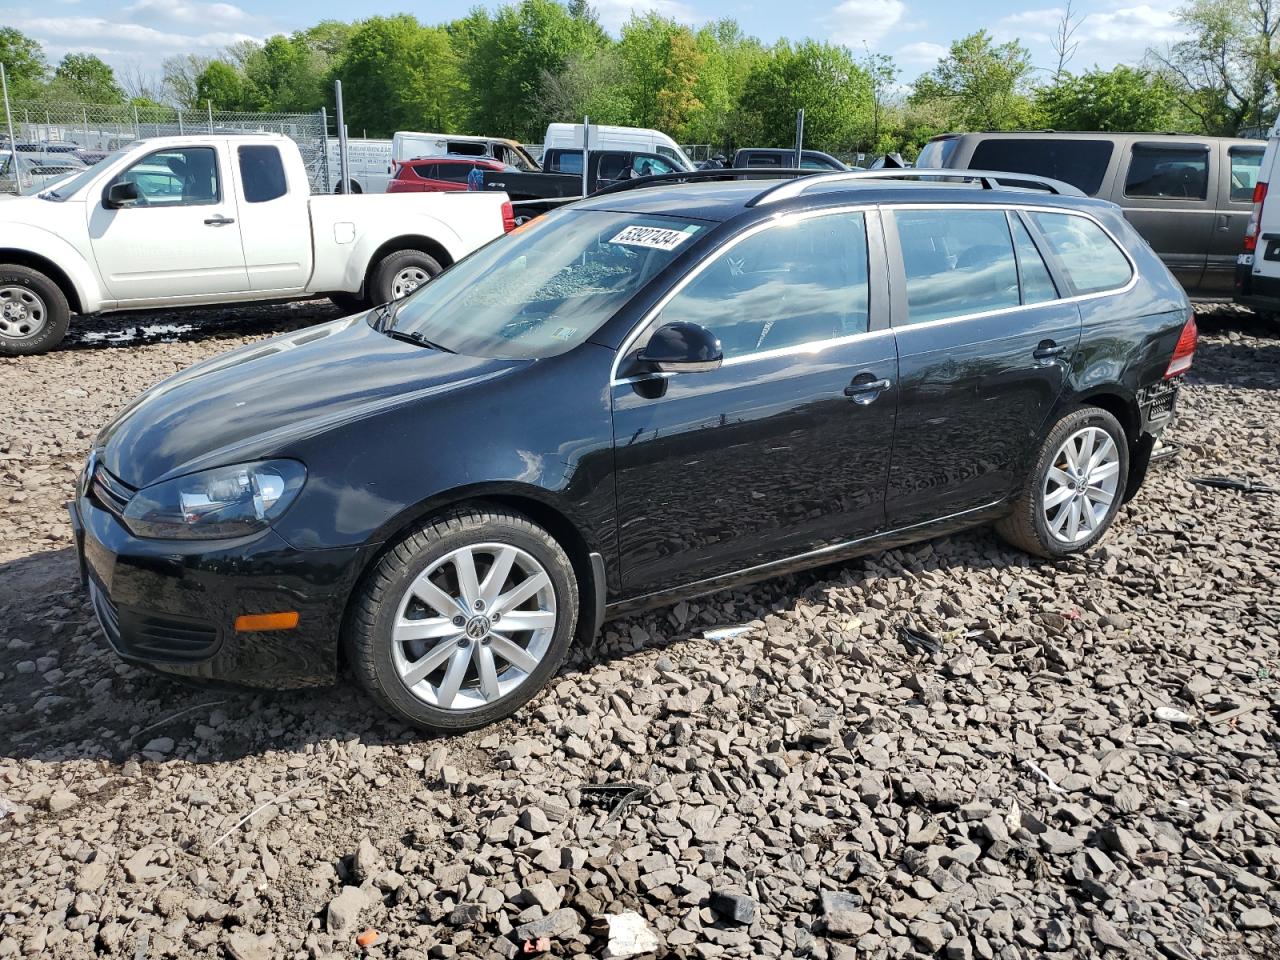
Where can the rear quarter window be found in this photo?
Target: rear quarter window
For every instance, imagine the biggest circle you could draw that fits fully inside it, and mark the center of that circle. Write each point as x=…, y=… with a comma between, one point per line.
x=1088, y=256
x=1081, y=163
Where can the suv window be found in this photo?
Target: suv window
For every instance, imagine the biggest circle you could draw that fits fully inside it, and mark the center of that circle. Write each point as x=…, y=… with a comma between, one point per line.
x=453, y=172
x=1089, y=257
x=792, y=283
x=957, y=262
x=427, y=171
x=1037, y=284
x=1169, y=173
x=1246, y=165
x=1081, y=163
x=183, y=176
x=262, y=173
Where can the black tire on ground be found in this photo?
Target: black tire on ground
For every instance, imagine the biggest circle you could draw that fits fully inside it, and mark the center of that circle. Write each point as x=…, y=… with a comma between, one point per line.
x=375, y=609
x=1027, y=527
x=382, y=280
x=34, y=313
x=349, y=302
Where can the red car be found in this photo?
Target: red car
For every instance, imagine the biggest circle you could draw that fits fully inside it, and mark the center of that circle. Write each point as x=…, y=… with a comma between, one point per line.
x=430, y=174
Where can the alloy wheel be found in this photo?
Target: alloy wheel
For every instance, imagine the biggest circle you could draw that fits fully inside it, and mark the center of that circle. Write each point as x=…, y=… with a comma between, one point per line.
x=408, y=280
x=1081, y=485
x=473, y=626
x=22, y=312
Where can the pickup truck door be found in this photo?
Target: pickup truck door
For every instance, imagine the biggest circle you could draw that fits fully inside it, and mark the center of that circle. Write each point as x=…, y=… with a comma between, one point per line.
x=275, y=218
x=1168, y=192
x=180, y=239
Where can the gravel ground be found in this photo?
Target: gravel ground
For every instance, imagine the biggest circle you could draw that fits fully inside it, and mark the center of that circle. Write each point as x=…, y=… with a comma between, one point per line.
x=811, y=787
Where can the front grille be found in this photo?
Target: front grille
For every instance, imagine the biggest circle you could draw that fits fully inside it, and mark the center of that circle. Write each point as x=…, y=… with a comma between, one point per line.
x=1159, y=399
x=165, y=637
x=110, y=493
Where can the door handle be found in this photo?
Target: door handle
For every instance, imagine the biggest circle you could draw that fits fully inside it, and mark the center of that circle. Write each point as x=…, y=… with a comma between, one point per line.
x=219, y=221
x=863, y=392
x=1048, y=350
x=1224, y=221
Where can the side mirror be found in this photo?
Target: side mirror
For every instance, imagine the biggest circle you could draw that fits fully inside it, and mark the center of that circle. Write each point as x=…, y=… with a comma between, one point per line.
x=682, y=348
x=121, y=194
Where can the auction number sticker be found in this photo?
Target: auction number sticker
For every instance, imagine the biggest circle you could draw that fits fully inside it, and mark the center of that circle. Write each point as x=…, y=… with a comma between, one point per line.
x=658, y=238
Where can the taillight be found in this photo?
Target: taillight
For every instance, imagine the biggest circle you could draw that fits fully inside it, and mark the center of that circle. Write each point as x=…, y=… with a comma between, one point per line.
x=508, y=217
x=1185, y=350
x=1255, y=217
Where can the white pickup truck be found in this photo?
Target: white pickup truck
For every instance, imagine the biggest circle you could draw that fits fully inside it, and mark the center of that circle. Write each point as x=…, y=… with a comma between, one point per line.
x=225, y=218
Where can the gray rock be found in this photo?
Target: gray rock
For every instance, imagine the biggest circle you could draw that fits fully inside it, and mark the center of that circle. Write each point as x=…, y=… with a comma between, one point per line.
x=342, y=916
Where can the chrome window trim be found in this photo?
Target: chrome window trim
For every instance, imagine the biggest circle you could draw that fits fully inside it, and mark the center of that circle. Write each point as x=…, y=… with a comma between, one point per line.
x=1037, y=208
x=813, y=346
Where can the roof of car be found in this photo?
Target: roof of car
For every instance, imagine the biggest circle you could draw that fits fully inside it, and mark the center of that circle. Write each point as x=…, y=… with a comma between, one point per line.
x=725, y=199
x=1171, y=136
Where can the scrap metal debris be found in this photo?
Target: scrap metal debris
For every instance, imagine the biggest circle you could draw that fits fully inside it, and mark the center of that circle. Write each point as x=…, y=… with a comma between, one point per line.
x=614, y=797
x=918, y=639
x=1247, y=485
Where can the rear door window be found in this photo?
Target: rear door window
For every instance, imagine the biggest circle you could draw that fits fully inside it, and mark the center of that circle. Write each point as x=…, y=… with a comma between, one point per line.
x=262, y=173
x=1246, y=165
x=453, y=172
x=957, y=262
x=1081, y=163
x=1168, y=173
x=1089, y=257
x=1037, y=284
x=427, y=171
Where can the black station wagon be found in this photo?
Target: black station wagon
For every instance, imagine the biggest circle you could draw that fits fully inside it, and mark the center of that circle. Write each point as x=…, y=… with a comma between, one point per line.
x=647, y=395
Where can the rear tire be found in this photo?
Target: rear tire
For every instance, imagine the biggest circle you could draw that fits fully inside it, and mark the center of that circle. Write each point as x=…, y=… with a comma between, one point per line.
x=433, y=637
x=400, y=273
x=34, y=313
x=1074, y=489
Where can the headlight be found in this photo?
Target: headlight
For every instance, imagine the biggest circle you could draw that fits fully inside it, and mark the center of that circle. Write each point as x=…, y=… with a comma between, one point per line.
x=216, y=504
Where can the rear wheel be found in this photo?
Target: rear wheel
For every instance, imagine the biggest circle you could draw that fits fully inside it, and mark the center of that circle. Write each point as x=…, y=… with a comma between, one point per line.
x=464, y=620
x=34, y=313
x=400, y=273
x=1074, y=490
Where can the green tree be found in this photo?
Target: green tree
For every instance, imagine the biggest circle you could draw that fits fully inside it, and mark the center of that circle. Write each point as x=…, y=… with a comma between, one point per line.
x=729, y=57
x=286, y=74
x=85, y=77
x=223, y=85
x=24, y=63
x=1227, y=69
x=663, y=63
x=1123, y=98
x=984, y=84
x=824, y=80
x=179, y=75
x=399, y=75
x=591, y=84
x=505, y=58
x=677, y=99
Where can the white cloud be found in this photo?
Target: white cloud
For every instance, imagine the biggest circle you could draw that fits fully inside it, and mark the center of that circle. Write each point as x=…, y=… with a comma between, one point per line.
x=614, y=14
x=214, y=15
x=859, y=23
x=921, y=55
x=1114, y=34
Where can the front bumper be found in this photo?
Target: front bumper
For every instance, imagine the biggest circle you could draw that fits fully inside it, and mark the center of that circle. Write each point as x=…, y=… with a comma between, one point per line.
x=172, y=605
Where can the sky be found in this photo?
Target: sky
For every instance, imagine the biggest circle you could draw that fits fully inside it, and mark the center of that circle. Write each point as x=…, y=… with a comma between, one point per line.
x=135, y=35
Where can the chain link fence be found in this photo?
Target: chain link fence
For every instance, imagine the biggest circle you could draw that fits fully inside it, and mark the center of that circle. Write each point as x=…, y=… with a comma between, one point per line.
x=52, y=139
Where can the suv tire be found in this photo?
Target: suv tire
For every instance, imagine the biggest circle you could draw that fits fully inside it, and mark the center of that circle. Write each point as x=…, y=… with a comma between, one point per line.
x=431, y=666
x=1074, y=489
x=399, y=273
x=34, y=313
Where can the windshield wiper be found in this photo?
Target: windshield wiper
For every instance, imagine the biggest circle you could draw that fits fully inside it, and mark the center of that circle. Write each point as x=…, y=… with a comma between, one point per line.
x=386, y=324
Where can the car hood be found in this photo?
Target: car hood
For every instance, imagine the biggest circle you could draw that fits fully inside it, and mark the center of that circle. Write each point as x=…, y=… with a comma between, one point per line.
x=253, y=402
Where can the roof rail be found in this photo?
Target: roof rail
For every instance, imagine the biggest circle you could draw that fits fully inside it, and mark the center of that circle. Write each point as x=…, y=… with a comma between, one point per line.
x=990, y=180
x=687, y=176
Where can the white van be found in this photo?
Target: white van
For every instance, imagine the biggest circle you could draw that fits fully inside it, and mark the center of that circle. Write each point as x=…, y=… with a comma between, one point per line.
x=1258, y=265
x=368, y=165
x=568, y=136
x=410, y=145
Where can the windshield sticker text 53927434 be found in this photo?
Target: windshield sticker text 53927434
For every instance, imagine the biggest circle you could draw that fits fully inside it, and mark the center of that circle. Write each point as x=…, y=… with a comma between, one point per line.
x=659, y=238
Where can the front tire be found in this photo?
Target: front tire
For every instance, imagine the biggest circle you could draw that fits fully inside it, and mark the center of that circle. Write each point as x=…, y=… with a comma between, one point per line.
x=400, y=273
x=1075, y=488
x=464, y=620
x=34, y=313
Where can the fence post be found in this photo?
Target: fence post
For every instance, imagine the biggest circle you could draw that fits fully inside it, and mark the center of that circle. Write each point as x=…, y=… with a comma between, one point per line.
x=13, y=144
x=586, y=151
x=137, y=124
x=324, y=149
x=209, y=106
x=799, y=136
x=181, y=131
x=344, y=184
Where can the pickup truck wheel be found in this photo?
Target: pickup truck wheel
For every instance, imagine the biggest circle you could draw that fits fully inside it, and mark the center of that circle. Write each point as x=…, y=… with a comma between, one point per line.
x=34, y=314
x=400, y=273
